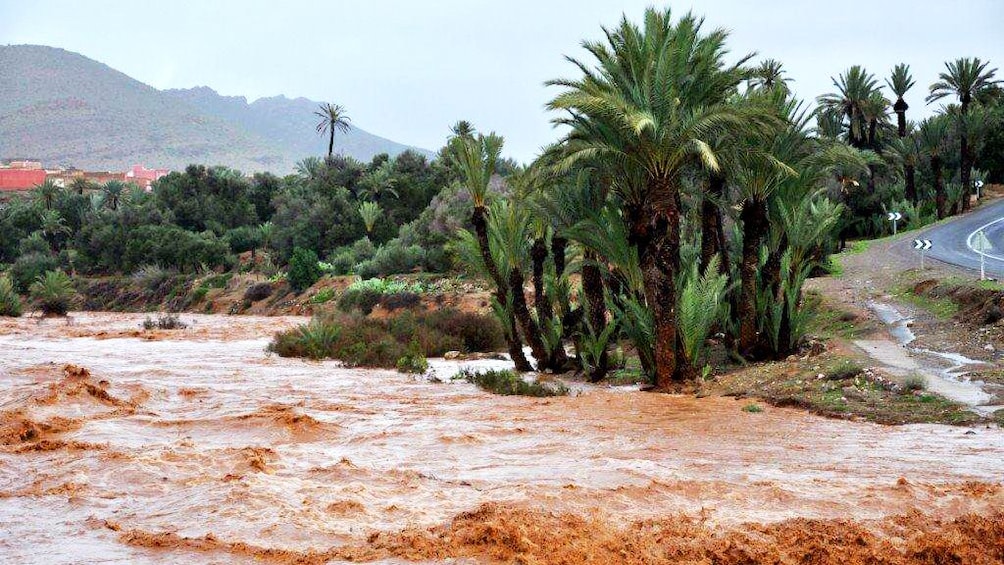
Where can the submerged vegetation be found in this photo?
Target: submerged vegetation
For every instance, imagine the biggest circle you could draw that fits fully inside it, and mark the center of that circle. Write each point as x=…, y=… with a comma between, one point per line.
x=511, y=383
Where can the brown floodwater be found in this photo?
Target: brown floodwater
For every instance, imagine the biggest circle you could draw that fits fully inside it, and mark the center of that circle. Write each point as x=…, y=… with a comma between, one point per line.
x=122, y=446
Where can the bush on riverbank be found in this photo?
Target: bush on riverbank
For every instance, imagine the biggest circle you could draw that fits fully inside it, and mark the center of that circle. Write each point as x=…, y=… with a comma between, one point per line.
x=510, y=383
x=10, y=302
x=365, y=342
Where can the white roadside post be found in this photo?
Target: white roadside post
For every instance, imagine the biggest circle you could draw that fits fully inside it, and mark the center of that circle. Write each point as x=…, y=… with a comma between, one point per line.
x=894, y=217
x=979, y=186
x=922, y=245
x=981, y=245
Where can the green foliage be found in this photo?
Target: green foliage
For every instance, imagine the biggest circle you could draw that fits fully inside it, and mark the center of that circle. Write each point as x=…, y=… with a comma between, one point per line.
x=303, y=269
x=53, y=293
x=413, y=361
x=364, y=295
x=10, y=302
x=322, y=296
x=843, y=369
x=701, y=304
x=164, y=322
x=29, y=268
x=510, y=383
x=259, y=291
x=753, y=408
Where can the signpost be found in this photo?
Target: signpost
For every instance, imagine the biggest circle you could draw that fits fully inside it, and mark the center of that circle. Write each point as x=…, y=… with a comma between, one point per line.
x=894, y=217
x=981, y=245
x=922, y=245
x=979, y=185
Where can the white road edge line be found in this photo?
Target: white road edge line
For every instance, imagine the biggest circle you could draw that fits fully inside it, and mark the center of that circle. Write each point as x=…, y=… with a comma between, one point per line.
x=969, y=240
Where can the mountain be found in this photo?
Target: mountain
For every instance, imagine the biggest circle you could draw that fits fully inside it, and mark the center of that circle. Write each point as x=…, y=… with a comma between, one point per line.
x=65, y=109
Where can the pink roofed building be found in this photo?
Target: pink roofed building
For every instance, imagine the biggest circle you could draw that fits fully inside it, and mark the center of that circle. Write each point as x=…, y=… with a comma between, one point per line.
x=144, y=177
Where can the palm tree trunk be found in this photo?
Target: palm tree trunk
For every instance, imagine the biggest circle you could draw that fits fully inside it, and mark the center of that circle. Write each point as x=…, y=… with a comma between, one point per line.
x=478, y=218
x=331, y=141
x=538, y=254
x=900, y=118
x=592, y=288
x=558, y=246
x=530, y=328
x=911, y=183
x=754, y=217
x=656, y=233
x=712, y=226
x=966, y=172
x=939, y=187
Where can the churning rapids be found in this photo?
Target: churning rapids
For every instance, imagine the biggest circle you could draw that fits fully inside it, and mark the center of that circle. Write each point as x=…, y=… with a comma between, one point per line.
x=123, y=446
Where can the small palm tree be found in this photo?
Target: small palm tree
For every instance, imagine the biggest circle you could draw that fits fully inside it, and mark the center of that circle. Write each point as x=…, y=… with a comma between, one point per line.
x=965, y=79
x=53, y=227
x=769, y=74
x=266, y=231
x=53, y=293
x=379, y=184
x=333, y=118
x=114, y=192
x=370, y=213
x=310, y=168
x=47, y=192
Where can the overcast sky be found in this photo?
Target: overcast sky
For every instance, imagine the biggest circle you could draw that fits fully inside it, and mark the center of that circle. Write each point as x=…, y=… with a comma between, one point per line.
x=407, y=70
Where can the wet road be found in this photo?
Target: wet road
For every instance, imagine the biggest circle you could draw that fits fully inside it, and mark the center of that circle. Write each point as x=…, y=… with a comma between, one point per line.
x=954, y=241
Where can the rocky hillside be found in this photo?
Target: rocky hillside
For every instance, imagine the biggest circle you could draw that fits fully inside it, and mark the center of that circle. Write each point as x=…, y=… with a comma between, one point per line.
x=63, y=108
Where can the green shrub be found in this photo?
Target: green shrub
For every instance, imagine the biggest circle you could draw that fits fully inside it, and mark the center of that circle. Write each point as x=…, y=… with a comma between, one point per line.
x=303, y=269
x=753, y=408
x=322, y=296
x=844, y=369
x=413, y=361
x=257, y=292
x=164, y=322
x=478, y=332
x=153, y=276
x=508, y=382
x=364, y=295
x=53, y=293
x=10, y=302
x=361, y=299
x=28, y=268
x=914, y=383
x=393, y=258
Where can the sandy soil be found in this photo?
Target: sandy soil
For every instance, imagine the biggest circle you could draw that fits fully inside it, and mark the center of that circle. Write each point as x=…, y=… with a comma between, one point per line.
x=195, y=446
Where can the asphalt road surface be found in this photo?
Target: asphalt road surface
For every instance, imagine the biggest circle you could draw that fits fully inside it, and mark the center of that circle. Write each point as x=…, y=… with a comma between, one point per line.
x=954, y=241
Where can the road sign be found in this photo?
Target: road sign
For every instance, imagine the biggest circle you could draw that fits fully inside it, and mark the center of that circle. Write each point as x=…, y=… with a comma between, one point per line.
x=981, y=245
x=894, y=217
x=923, y=244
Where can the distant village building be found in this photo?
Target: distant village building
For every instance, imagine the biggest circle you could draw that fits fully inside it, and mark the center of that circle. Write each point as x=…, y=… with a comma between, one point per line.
x=144, y=177
x=25, y=174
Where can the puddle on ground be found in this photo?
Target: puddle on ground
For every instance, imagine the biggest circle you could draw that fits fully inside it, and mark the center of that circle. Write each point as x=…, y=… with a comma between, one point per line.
x=947, y=378
x=114, y=443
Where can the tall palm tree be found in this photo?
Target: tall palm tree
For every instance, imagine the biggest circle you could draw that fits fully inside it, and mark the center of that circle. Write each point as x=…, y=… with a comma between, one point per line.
x=874, y=114
x=476, y=159
x=854, y=86
x=933, y=135
x=462, y=128
x=900, y=82
x=651, y=106
x=333, y=118
x=965, y=79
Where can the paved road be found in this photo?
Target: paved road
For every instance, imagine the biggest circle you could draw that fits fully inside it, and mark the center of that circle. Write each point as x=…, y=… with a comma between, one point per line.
x=953, y=240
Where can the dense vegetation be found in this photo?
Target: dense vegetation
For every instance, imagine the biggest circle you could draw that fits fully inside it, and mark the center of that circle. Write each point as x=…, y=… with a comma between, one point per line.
x=689, y=198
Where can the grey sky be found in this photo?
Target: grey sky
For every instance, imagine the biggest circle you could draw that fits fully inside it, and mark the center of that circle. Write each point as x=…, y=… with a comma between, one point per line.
x=406, y=70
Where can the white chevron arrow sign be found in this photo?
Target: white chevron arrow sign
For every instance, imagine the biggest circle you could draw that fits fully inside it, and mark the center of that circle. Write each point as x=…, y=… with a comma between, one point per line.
x=922, y=244
x=894, y=216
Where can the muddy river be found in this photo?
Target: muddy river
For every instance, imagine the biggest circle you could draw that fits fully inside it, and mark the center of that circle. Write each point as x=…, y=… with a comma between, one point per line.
x=193, y=446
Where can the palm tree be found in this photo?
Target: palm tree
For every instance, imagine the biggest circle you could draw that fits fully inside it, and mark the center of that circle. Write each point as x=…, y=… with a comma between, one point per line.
x=476, y=158
x=462, y=128
x=266, y=230
x=113, y=192
x=769, y=74
x=933, y=134
x=47, y=192
x=53, y=227
x=854, y=86
x=310, y=168
x=874, y=113
x=379, y=184
x=650, y=106
x=965, y=79
x=370, y=213
x=900, y=82
x=333, y=118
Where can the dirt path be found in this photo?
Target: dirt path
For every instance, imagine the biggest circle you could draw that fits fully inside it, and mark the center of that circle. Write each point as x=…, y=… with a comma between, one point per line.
x=196, y=446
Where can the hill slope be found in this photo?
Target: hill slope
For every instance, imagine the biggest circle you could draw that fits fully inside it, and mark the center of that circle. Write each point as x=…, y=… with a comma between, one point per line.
x=66, y=109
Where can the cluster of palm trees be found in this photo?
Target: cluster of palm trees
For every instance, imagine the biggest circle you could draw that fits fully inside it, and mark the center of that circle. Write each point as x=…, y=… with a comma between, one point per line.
x=685, y=190
x=859, y=113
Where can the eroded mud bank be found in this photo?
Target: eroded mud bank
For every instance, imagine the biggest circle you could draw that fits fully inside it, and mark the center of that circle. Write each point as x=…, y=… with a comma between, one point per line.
x=150, y=448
